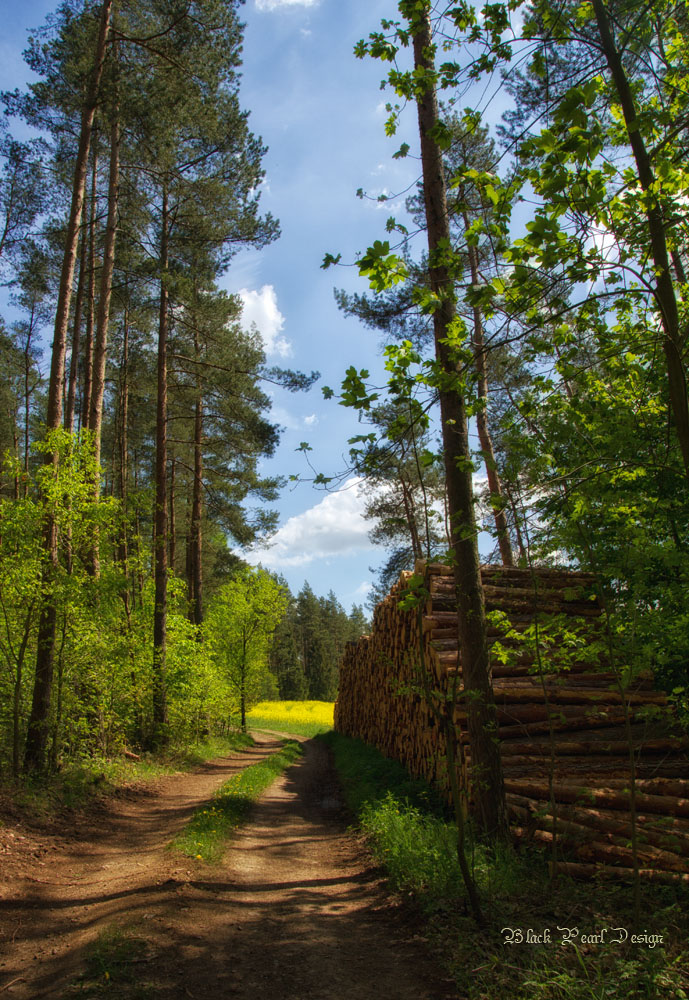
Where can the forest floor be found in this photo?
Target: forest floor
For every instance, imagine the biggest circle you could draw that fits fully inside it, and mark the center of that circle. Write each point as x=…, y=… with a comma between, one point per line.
x=101, y=906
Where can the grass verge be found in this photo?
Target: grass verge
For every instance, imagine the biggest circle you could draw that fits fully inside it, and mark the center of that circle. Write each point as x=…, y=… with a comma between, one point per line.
x=113, y=967
x=304, y=718
x=204, y=836
x=78, y=783
x=562, y=940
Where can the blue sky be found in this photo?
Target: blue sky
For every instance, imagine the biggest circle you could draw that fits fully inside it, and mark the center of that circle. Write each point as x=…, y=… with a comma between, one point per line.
x=321, y=113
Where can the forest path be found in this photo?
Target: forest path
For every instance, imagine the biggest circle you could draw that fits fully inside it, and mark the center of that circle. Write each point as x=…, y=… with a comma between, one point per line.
x=296, y=911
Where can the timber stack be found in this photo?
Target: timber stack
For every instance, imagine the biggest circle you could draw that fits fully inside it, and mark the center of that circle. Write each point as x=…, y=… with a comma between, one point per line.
x=570, y=722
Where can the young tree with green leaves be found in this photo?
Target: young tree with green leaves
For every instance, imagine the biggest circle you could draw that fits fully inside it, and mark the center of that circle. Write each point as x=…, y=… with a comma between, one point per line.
x=404, y=488
x=239, y=629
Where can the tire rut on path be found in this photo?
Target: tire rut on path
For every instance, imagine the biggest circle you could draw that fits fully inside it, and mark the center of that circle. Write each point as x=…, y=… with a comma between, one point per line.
x=297, y=911
x=58, y=891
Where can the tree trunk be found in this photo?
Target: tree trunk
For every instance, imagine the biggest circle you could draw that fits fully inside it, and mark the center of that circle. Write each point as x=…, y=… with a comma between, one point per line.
x=161, y=525
x=95, y=422
x=137, y=571
x=38, y=726
x=487, y=781
x=16, y=700
x=57, y=369
x=15, y=445
x=57, y=721
x=122, y=448
x=242, y=687
x=494, y=485
x=90, y=295
x=410, y=516
x=664, y=287
x=124, y=415
x=76, y=334
x=27, y=402
x=172, y=528
x=196, y=535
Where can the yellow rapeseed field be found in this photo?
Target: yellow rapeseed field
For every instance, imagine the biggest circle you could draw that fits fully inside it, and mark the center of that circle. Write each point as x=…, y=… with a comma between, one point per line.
x=304, y=717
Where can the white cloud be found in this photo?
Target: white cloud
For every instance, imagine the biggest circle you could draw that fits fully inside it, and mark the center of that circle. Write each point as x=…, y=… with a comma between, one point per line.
x=260, y=309
x=390, y=206
x=277, y=4
x=290, y=421
x=364, y=589
x=334, y=527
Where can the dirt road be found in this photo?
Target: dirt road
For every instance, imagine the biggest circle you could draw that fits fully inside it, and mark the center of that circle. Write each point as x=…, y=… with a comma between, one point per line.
x=297, y=910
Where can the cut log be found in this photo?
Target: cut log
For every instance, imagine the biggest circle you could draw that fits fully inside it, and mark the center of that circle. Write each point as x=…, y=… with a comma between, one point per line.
x=581, y=711
x=582, y=871
x=611, y=797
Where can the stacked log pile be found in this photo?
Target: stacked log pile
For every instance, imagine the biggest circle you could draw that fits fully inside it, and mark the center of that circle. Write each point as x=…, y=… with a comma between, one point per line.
x=567, y=726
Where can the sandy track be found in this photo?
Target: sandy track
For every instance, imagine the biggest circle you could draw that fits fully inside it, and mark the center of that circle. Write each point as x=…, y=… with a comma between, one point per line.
x=297, y=911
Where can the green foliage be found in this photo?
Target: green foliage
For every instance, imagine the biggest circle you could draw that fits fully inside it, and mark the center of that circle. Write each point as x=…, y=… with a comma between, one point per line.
x=419, y=851
x=604, y=496
x=102, y=698
x=367, y=777
x=238, y=631
x=412, y=838
x=382, y=268
x=309, y=642
x=80, y=781
x=573, y=295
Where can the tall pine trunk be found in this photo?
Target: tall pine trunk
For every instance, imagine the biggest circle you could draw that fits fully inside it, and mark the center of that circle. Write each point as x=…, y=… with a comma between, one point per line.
x=90, y=294
x=488, y=793
x=195, y=568
x=27, y=399
x=161, y=520
x=100, y=350
x=172, y=526
x=123, y=473
x=103, y=322
x=76, y=334
x=38, y=726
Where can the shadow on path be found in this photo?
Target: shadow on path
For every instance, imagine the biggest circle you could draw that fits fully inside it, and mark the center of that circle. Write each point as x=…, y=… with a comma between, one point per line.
x=297, y=911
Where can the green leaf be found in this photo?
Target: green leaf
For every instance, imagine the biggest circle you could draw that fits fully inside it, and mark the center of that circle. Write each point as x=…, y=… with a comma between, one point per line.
x=330, y=259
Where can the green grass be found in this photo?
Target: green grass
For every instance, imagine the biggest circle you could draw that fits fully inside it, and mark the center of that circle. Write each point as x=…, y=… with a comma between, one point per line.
x=80, y=782
x=113, y=967
x=409, y=833
x=205, y=835
x=303, y=718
